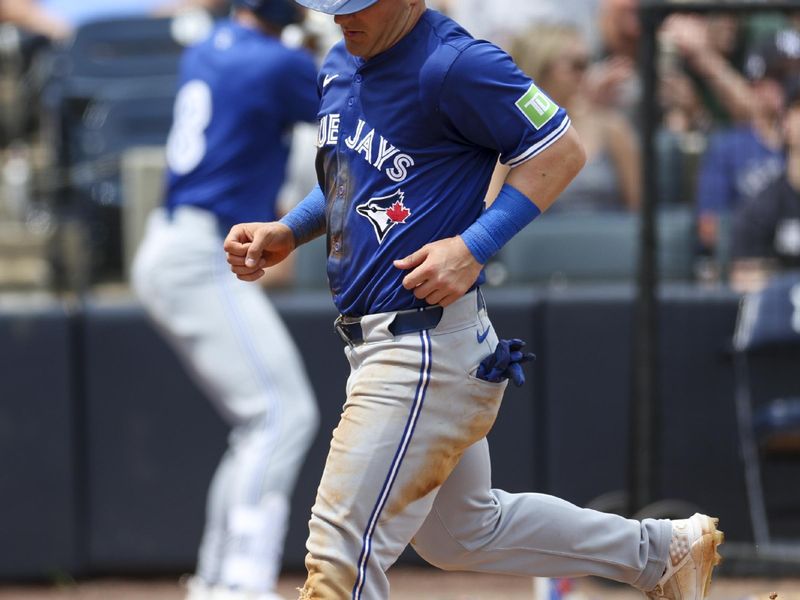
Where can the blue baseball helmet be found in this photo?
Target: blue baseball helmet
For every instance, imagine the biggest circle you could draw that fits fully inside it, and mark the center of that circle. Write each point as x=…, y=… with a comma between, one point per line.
x=277, y=12
x=337, y=7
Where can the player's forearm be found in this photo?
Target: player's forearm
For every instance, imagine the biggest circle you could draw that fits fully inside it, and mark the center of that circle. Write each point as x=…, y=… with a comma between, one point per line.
x=307, y=219
x=528, y=191
x=728, y=85
x=546, y=175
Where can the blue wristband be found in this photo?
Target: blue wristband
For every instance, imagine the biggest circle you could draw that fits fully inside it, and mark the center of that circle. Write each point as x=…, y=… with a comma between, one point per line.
x=506, y=217
x=307, y=219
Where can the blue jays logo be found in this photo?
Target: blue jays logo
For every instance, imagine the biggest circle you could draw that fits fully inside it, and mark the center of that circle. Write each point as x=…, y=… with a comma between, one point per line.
x=384, y=213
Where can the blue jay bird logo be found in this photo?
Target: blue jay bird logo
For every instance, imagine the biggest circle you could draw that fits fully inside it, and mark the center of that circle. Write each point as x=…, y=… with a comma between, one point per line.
x=384, y=213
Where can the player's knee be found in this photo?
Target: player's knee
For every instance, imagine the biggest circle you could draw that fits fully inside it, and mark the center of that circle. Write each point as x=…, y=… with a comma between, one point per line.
x=449, y=543
x=437, y=546
x=303, y=420
x=439, y=554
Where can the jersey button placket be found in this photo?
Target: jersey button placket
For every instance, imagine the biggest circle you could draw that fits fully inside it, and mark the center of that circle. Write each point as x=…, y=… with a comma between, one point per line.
x=356, y=89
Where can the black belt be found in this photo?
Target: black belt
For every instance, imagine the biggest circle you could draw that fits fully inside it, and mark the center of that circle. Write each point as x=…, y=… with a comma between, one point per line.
x=403, y=323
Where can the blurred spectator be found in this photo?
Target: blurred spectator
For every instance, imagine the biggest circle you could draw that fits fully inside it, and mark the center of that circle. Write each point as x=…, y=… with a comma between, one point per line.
x=613, y=81
x=35, y=18
x=557, y=57
x=742, y=160
x=699, y=88
x=443, y=6
x=57, y=19
x=766, y=228
x=618, y=22
x=501, y=20
x=701, y=49
x=35, y=29
x=700, y=85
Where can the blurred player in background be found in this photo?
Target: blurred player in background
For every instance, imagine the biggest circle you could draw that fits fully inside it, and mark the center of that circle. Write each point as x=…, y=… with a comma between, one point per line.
x=240, y=92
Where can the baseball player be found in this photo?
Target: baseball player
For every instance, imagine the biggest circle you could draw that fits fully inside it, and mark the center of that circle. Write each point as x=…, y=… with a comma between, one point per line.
x=413, y=115
x=240, y=93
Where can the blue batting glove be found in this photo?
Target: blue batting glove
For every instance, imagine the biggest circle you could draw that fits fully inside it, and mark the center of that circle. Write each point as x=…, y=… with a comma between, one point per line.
x=505, y=363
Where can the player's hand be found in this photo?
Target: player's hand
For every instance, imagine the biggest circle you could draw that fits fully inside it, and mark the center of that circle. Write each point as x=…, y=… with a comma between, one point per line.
x=252, y=247
x=441, y=272
x=688, y=33
x=605, y=79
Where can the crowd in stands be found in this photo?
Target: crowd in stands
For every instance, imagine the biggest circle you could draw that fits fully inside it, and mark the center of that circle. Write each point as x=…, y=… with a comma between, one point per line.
x=557, y=57
x=57, y=19
x=727, y=141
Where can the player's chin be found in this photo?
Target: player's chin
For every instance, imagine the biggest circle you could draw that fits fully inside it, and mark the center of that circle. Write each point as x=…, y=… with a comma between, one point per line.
x=355, y=44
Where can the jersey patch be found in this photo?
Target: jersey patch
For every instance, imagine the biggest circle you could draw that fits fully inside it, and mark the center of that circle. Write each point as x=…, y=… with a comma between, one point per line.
x=537, y=107
x=384, y=213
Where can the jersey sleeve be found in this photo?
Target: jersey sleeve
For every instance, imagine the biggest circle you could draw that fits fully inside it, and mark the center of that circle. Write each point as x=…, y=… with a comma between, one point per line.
x=298, y=88
x=488, y=101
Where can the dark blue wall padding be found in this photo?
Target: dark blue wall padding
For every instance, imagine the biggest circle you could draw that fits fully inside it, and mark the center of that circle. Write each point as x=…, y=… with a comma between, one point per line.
x=699, y=459
x=587, y=374
x=37, y=451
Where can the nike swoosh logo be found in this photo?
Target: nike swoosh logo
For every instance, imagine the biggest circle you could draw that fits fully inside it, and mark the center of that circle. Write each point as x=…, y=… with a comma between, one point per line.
x=328, y=79
x=482, y=336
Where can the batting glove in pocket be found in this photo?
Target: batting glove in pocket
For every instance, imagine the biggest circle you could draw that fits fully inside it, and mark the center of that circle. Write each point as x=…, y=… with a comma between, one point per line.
x=505, y=363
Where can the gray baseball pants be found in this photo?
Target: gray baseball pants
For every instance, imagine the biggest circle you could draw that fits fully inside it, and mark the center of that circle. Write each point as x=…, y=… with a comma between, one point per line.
x=234, y=343
x=409, y=463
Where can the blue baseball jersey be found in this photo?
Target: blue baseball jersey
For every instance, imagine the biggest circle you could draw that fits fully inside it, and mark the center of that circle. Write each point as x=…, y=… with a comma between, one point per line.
x=407, y=144
x=736, y=168
x=240, y=93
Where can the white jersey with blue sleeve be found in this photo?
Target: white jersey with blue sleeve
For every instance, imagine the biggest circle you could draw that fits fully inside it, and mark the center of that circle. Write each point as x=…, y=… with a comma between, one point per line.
x=389, y=174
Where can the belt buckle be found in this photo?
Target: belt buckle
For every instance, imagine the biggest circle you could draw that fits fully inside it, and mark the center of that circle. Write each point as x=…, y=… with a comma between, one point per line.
x=338, y=325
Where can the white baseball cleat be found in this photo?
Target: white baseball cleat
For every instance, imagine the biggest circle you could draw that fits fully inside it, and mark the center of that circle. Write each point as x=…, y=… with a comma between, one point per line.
x=693, y=556
x=196, y=589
